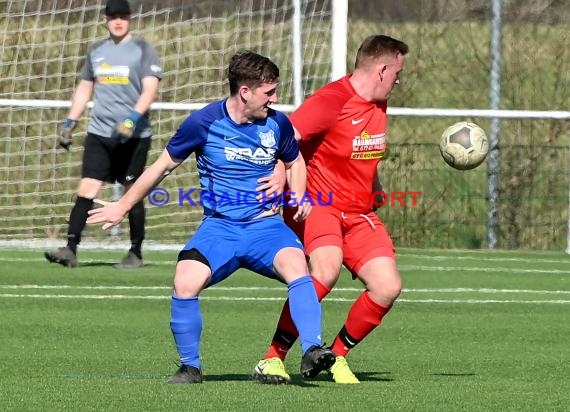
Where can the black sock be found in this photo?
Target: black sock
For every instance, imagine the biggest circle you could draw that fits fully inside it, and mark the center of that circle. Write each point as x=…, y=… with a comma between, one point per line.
x=77, y=219
x=136, y=226
x=284, y=338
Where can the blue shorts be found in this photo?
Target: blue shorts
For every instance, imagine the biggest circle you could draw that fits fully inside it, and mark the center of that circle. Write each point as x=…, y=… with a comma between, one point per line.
x=230, y=245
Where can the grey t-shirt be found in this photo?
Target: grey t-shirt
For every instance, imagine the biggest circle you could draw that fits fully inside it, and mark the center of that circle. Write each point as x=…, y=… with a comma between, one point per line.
x=117, y=71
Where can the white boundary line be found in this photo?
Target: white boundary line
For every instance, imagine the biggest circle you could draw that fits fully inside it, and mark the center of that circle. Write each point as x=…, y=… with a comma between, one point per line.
x=282, y=289
x=238, y=299
x=273, y=289
x=493, y=269
x=118, y=245
x=419, y=268
x=482, y=258
x=453, y=255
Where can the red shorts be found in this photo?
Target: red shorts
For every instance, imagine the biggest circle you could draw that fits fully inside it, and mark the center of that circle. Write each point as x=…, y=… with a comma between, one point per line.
x=361, y=237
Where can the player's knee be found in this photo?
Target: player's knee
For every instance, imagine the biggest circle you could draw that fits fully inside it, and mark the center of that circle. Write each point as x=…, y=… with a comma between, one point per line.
x=394, y=289
x=326, y=276
x=89, y=188
x=290, y=263
x=193, y=273
x=386, y=288
x=326, y=269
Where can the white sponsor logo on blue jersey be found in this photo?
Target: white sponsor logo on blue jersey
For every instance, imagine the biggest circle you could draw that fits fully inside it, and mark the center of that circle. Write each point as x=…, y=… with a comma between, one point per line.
x=260, y=156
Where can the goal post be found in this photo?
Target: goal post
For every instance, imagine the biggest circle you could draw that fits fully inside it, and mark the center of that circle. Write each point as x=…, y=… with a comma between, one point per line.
x=43, y=44
x=42, y=48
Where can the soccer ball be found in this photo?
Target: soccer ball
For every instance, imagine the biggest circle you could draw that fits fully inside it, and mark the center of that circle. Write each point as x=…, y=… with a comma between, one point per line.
x=464, y=145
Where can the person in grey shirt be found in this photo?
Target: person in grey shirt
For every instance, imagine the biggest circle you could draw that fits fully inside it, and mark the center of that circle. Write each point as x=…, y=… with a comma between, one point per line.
x=122, y=73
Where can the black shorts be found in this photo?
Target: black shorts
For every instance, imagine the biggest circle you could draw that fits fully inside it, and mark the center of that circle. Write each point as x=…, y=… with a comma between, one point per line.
x=108, y=160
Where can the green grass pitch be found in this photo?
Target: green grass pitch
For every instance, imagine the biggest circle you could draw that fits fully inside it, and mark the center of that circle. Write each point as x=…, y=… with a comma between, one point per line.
x=472, y=331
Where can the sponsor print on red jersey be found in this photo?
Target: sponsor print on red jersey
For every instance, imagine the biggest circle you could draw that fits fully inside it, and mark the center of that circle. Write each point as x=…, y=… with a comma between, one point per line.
x=343, y=140
x=368, y=146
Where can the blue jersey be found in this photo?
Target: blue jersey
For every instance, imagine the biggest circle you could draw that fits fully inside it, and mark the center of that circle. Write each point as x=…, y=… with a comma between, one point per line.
x=232, y=157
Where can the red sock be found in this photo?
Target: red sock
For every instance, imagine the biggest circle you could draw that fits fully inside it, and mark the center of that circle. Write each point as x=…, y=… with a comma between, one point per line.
x=364, y=316
x=286, y=333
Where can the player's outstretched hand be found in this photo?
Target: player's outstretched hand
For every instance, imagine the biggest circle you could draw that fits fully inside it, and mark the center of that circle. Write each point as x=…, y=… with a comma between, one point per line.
x=110, y=214
x=303, y=211
x=271, y=186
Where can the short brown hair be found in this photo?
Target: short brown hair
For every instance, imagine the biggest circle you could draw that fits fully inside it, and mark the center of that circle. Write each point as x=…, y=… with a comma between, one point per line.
x=251, y=69
x=378, y=45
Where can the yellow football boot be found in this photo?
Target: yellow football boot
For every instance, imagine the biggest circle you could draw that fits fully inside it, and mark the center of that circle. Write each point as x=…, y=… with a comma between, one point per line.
x=341, y=372
x=271, y=371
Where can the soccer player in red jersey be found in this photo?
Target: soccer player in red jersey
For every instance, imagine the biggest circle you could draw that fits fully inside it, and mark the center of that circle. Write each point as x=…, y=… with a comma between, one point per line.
x=342, y=134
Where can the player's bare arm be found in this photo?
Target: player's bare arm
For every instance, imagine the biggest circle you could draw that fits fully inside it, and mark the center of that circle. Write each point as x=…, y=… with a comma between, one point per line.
x=79, y=102
x=148, y=95
x=297, y=134
x=281, y=175
x=112, y=213
x=297, y=181
x=80, y=98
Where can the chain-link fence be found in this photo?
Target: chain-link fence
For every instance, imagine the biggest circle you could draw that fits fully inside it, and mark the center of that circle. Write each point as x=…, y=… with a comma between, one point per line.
x=448, y=67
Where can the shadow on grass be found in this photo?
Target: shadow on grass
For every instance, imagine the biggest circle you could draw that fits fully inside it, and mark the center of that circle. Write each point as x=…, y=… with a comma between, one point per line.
x=374, y=377
x=362, y=377
x=95, y=264
x=227, y=377
x=111, y=264
x=295, y=380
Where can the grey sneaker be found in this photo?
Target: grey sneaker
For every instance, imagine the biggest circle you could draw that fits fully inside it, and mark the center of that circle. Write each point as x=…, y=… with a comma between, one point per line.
x=64, y=256
x=131, y=261
x=316, y=360
x=186, y=374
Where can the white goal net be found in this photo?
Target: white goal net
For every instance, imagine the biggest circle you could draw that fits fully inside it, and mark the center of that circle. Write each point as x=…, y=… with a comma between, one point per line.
x=42, y=48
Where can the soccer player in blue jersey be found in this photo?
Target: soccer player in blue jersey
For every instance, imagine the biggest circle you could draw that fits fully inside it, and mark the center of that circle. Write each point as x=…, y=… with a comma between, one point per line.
x=237, y=141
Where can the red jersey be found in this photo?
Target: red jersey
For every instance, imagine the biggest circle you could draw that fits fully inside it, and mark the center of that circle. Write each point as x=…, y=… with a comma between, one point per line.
x=343, y=140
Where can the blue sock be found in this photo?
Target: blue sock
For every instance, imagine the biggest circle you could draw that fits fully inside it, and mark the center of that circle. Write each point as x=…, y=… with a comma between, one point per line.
x=186, y=326
x=305, y=311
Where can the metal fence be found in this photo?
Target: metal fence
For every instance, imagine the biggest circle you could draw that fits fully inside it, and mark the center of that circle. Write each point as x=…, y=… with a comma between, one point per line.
x=450, y=66
x=452, y=207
